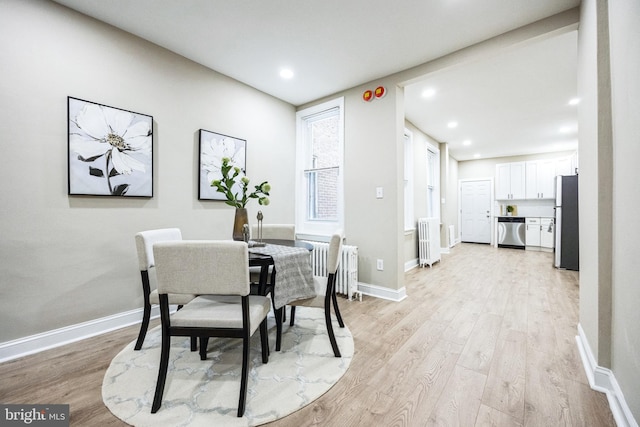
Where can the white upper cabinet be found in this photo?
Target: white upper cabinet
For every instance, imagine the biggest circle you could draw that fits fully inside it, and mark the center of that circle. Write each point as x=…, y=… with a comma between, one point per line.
x=533, y=179
x=510, y=181
x=564, y=166
x=540, y=178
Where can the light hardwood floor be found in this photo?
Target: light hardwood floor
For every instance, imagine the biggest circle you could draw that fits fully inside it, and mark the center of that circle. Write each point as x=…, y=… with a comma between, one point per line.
x=485, y=338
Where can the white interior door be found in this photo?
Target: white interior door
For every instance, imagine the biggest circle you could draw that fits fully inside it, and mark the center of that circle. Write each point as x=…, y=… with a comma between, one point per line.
x=475, y=211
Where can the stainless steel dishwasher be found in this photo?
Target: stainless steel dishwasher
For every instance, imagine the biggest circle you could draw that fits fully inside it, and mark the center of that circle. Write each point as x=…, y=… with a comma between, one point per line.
x=511, y=232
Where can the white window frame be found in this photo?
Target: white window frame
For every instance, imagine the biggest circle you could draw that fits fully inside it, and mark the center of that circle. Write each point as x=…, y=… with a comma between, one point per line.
x=317, y=228
x=409, y=214
x=433, y=188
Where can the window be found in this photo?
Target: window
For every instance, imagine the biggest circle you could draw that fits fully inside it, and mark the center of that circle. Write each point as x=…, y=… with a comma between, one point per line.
x=409, y=220
x=319, y=163
x=433, y=182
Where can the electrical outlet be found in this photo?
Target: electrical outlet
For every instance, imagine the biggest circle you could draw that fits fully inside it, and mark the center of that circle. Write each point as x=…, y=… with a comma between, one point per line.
x=380, y=265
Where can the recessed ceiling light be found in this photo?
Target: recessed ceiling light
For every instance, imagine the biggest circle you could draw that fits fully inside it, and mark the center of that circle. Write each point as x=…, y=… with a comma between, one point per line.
x=476, y=156
x=286, y=73
x=574, y=101
x=452, y=125
x=466, y=142
x=428, y=93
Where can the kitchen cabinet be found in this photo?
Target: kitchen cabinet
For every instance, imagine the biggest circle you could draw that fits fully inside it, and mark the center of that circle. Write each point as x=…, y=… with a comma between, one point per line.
x=540, y=175
x=564, y=166
x=532, y=233
x=539, y=234
x=547, y=233
x=510, y=181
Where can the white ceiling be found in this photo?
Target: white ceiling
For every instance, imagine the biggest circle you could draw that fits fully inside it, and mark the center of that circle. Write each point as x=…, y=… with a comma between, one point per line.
x=509, y=105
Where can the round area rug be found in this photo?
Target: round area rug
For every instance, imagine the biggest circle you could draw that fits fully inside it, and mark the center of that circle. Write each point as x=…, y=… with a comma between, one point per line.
x=206, y=392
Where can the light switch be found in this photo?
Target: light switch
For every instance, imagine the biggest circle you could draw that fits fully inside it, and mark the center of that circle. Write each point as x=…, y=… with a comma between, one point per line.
x=379, y=193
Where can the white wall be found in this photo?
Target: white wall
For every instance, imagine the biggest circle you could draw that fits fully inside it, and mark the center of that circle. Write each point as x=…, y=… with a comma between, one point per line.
x=420, y=143
x=609, y=57
x=450, y=208
x=66, y=260
x=374, y=157
x=589, y=190
x=624, y=17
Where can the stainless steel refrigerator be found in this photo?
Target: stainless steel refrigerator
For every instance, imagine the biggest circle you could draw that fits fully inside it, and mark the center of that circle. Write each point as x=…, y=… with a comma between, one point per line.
x=567, y=253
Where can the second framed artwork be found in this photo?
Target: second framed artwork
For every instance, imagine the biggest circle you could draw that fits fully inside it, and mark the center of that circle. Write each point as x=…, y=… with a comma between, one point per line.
x=213, y=147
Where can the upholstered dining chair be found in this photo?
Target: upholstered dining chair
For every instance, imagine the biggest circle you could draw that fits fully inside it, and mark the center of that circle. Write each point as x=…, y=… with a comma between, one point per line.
x=275, y=231
x=144, y=245
x=326, y=292
x=218, y=272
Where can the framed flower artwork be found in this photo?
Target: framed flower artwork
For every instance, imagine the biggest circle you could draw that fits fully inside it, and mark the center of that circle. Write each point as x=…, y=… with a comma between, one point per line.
x=110, y=151
x=213, y=148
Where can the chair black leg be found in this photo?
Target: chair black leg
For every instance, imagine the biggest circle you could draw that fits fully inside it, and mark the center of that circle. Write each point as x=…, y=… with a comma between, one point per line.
x=264, y=339
x=278, y=316
x=327, y=315
x=245, y=375
x=293, y=315
x=337, y=310
x=204, y=342
x=332, y=337
x=194, y=344
x=162, y=373
x=144, y=326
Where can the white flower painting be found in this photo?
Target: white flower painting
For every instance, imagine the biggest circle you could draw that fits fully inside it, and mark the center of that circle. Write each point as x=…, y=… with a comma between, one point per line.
x=213, y=147
x=110, y=151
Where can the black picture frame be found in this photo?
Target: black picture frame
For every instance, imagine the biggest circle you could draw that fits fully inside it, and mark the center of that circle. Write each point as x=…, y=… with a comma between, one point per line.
x=110, y=150
x=213, y=146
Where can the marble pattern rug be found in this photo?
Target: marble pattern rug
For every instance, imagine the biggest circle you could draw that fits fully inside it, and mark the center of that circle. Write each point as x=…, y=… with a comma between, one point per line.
x=199, y=393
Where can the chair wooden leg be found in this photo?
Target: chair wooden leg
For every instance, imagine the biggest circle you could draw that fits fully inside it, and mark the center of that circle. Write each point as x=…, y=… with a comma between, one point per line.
x=144, y=326
x=194, y=343
x=337, y=310
x=162, y=373
x=245, y=375
x=293, y=315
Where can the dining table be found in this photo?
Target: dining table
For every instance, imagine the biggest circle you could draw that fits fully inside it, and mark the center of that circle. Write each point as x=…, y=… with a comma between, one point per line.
x=285, y=272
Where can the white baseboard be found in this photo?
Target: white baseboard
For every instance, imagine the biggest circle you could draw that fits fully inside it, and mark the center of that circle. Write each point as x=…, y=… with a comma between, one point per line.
x=380, y=292
x=410, y=265
x=603, y=380
x=21, y=347
x=444, y=250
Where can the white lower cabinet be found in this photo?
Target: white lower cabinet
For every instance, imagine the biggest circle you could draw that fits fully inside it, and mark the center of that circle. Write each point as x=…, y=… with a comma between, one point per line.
x=539, y=234
x=547, y=233
x=532, y=235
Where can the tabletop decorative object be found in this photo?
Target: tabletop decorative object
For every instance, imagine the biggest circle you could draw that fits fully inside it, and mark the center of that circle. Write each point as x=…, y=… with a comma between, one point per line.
x=239, y=199
x=259, y=242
